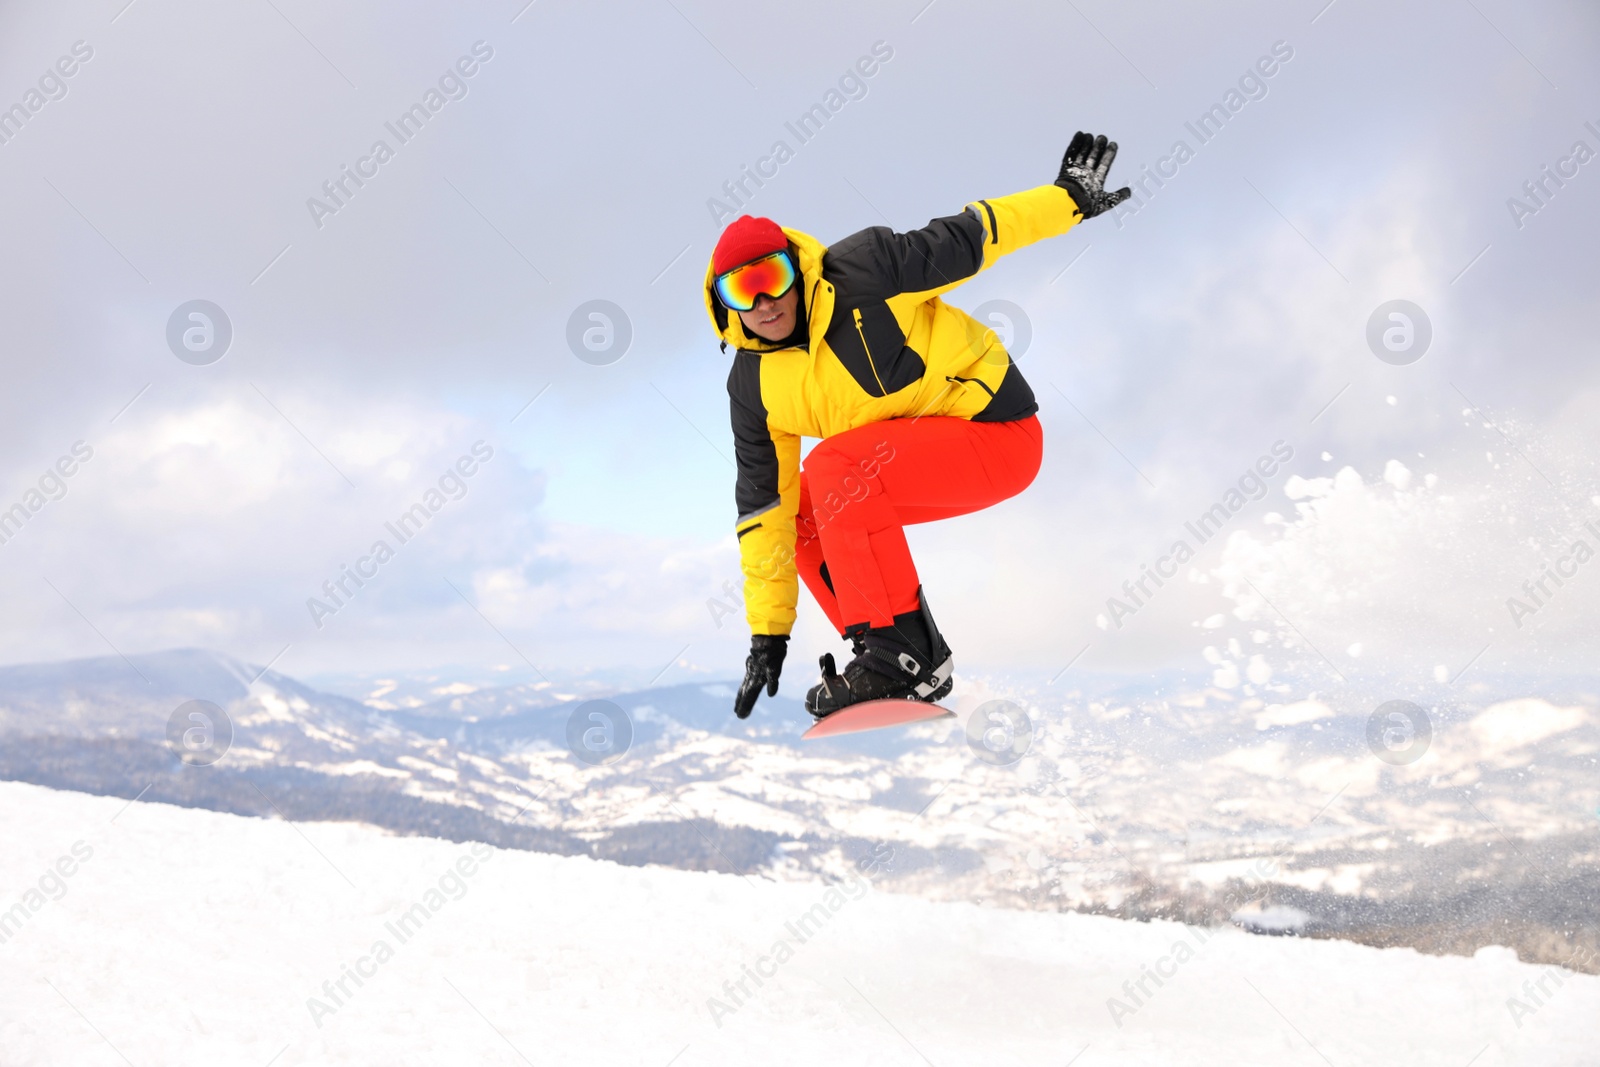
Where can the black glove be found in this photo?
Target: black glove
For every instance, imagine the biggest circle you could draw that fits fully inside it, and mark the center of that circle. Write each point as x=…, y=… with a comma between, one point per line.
x=761, y=668
x=1083, y=174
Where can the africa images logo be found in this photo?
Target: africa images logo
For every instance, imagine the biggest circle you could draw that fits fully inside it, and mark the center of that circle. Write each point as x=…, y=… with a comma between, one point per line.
x=403, y=529
x=338, y=191
x=52, y=86
x=852, y=85
x=1252, y=485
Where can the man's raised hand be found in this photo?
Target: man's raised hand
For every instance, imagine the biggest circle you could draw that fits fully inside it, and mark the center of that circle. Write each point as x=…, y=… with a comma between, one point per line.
x=1083, y=174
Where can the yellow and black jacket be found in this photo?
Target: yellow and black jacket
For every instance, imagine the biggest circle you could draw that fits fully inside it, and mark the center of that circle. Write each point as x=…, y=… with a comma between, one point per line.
x=881, y=345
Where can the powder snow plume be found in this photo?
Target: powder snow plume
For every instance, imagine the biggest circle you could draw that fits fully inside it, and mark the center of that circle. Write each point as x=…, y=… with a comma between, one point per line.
x=1405, y=580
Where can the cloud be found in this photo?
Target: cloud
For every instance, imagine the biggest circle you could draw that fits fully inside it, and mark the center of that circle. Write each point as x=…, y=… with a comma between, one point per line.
x=1188, y=341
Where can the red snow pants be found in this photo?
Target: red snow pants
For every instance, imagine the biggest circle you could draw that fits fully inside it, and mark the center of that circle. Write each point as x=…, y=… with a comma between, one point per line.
x=860, y=488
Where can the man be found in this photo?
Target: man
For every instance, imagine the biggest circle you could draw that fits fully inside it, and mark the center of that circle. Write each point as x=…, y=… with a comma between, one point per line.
x=921, y=413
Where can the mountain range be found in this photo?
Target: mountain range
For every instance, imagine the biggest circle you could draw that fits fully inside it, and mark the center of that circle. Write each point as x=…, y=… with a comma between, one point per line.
x=1151, y=797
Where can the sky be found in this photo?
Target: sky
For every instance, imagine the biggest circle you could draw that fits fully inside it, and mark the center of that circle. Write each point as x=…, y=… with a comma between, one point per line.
x=383, y=335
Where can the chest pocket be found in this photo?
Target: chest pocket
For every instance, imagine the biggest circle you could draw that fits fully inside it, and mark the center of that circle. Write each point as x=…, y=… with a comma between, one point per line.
x=870, y=344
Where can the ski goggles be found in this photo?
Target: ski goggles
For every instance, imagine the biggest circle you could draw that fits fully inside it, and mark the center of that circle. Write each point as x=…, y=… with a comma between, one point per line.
x=771, y=275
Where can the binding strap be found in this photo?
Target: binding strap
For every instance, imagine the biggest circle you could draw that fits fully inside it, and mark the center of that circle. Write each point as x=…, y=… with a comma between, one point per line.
x=928, y=677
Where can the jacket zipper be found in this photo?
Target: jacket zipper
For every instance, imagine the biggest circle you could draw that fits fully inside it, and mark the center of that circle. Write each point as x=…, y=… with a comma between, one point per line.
x=979, y=381
x=862, y=333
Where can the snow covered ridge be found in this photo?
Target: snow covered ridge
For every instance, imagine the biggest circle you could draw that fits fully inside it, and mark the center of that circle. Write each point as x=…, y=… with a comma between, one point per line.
x=569, y=960
x=1156, y=798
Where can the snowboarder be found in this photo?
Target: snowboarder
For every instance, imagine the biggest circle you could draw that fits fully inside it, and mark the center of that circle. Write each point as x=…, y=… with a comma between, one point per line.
x=921, y=414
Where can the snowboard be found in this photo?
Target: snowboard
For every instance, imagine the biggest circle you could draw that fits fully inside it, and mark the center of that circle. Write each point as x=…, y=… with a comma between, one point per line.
x=875, y=715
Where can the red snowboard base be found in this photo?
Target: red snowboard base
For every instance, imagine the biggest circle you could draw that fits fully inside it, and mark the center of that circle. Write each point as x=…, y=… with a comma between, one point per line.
x=875, y=715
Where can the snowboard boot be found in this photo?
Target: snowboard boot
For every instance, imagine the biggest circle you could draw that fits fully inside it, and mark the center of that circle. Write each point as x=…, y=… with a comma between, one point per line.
x=908, y=660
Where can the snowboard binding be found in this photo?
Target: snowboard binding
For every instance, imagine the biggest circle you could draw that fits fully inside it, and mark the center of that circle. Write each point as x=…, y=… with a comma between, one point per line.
x=908, y=660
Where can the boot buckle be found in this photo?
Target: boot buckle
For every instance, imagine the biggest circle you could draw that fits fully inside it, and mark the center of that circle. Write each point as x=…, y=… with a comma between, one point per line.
x=938, y=677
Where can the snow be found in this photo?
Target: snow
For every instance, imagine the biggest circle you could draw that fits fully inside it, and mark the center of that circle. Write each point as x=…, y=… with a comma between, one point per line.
x=187, y=936
x=1292, y=714
x=1265, y=760
x=360, y=766
x=1412, y=572
x=1516, y=724
x=1277, y=919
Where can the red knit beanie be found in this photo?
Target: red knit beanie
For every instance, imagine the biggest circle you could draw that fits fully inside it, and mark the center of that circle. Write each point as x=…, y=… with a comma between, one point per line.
x=745, y=239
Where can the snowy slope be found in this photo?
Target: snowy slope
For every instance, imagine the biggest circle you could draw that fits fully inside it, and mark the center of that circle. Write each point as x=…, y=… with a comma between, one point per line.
x=1490, y=838
x=180, y=936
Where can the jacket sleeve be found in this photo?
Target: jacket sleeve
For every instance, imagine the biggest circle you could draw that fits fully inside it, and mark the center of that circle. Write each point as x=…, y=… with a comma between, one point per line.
x=878, y=263
x=767, y=494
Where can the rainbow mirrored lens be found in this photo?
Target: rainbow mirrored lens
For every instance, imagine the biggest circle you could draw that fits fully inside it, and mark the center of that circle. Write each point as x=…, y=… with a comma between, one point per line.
x=771, y=275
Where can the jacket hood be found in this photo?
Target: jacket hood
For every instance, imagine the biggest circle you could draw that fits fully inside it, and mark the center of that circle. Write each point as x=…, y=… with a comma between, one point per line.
x=818, y=296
